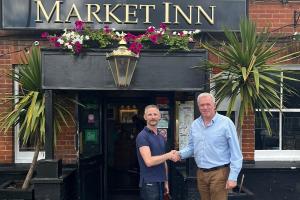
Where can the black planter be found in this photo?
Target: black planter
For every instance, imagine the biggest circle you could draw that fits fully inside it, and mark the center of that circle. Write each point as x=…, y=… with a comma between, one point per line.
x=244, y=194
x=8, y=191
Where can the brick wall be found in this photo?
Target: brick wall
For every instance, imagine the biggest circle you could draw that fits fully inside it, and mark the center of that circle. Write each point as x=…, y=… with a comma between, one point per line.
x=6, y=141
x=275, y=15
x=66, y=141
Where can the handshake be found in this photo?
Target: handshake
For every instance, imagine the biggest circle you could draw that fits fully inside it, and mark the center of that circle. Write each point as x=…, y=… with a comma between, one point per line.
x=173, y=155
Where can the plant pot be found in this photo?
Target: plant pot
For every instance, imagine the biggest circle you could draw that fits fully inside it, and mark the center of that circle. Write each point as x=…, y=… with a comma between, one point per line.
x=12, y=190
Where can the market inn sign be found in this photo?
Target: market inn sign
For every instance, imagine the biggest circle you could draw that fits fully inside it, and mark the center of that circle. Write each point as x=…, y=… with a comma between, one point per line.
x=207, y=15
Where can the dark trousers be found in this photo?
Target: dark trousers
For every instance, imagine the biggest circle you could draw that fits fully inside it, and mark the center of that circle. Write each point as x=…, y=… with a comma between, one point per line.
x=152, y=191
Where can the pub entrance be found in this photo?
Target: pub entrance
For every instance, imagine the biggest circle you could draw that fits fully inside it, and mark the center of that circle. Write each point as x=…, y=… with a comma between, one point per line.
x=109, y=124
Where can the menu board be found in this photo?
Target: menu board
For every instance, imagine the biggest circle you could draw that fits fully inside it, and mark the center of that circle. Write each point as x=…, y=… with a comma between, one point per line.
x=185, y=119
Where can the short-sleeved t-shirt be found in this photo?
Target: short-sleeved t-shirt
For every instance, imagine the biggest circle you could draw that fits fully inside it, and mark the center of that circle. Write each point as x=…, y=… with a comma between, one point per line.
x=156, y=143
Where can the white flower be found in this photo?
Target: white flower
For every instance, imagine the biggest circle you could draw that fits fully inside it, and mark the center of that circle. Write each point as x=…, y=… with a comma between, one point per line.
x=70, y=46
x=118, y=34
x=184, y=32
x=174, y=33
x=296, y=33
x=197, y=31
x=87, y=37
x=60, y=41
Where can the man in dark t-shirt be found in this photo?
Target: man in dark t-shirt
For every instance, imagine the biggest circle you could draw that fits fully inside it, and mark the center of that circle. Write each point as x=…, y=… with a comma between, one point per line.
x=152, y=157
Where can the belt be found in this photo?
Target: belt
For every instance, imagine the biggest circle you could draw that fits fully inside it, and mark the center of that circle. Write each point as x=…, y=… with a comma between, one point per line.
x=213, y=168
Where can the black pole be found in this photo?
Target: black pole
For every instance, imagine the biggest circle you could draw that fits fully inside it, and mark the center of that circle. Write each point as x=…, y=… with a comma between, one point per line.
x=49, y=131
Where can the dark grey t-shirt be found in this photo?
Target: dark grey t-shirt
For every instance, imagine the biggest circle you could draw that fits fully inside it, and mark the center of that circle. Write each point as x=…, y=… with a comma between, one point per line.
x=156, y=143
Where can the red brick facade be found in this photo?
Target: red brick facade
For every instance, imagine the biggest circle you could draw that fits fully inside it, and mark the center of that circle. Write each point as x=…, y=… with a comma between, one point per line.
x=278, y=16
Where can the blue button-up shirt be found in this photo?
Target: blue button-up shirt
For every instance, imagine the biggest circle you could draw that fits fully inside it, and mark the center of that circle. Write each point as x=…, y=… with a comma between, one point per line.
x=214, y=145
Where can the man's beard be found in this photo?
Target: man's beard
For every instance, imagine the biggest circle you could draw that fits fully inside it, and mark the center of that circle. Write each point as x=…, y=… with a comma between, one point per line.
x=153, y=123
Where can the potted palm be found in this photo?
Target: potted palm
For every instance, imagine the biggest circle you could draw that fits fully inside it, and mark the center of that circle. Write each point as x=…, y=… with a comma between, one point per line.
x=28, y=111
x=249, y=69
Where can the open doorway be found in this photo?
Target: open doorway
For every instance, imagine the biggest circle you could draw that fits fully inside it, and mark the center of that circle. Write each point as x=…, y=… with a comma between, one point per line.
x=124, y=122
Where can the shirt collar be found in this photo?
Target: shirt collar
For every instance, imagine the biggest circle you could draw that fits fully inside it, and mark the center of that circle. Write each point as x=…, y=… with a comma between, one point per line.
x=213, y=120
x=149, y=130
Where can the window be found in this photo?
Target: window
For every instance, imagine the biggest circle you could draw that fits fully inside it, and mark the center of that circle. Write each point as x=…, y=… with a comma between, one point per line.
x=284, y=142
x=23, y=153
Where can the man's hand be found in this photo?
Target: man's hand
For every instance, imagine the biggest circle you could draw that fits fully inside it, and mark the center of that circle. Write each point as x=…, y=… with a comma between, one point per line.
x=175, y=156
x=230, y=184
x=166, y=191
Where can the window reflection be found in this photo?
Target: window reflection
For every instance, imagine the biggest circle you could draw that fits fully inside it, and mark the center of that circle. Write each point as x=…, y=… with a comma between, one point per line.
x=264, y=140
x=291, y=131
x=292, y=100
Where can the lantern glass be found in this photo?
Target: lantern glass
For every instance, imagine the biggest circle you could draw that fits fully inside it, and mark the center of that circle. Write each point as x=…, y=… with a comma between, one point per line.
x=122, y=63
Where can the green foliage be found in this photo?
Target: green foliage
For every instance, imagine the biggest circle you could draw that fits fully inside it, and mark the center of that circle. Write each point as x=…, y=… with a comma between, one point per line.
x=103, y=39
x=249, y=68
x=29, y=110
x=177, y=43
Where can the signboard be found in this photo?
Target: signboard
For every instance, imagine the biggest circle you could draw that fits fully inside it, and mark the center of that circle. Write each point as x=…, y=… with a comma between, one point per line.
x=209, y=15
x=91, y=135
x=185, y=118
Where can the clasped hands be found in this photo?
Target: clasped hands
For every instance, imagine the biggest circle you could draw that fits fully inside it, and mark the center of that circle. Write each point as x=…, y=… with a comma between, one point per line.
x=174, y=156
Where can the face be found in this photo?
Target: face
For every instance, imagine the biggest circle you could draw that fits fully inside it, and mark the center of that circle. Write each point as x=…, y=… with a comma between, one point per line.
x=207, y=107
x=152, y=116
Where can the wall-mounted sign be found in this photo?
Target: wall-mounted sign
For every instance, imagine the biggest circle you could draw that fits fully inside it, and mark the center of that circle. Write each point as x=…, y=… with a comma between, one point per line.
x=206, y=15
x=185, y=119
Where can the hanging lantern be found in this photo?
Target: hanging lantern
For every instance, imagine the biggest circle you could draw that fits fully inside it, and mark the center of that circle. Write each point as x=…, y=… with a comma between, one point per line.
x=122, y=63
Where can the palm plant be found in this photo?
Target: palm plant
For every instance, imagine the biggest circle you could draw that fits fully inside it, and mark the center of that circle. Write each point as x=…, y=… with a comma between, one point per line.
x=29, y=109
x=249, y=69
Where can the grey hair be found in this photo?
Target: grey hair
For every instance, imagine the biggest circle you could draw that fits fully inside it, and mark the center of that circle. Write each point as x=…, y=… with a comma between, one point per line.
x=206, y=94
x=150, y=106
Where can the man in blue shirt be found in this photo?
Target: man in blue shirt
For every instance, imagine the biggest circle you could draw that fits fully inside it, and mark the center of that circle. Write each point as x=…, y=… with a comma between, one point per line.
x=152, y=157
x=214, y=144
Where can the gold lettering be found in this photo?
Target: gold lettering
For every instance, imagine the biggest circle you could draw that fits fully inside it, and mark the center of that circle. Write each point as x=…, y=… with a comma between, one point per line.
x=128, y=13
x=40, y=7
x=147, y=12
x=187, y=19
x=211, y=19
x=94, y=13
x=76, y=13
x=167, y=12
x=110, y=13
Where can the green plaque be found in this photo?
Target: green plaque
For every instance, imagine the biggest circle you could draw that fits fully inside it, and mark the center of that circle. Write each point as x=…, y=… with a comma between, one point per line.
x=91, y=135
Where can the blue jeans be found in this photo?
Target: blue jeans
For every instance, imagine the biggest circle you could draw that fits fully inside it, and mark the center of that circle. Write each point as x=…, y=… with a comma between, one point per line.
x=152, y=191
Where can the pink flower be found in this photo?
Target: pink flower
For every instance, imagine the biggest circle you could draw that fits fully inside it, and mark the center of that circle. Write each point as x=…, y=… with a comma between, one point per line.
x=163, y=26
x=57, y=44
x=181, y=34
x=77, y=47
x=79, y=25
x=130, y=37
x=44, y=35
x=136, y=47
x=53, y=39
x=154, y=38
x=106, y=29
x=151, y=29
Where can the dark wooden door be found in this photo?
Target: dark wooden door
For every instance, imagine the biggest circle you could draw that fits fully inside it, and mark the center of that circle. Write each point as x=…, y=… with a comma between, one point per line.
x=91, y=158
